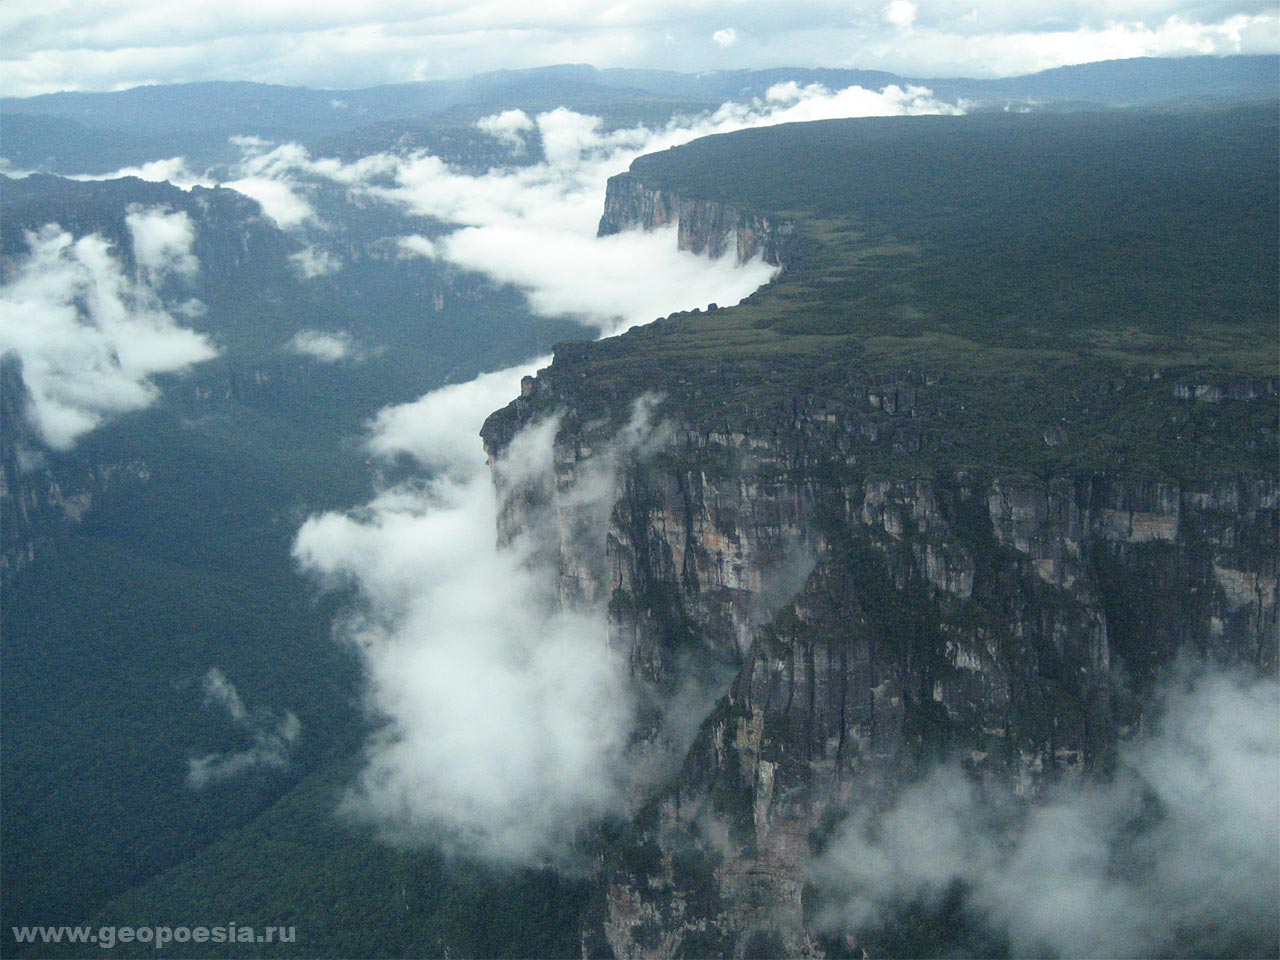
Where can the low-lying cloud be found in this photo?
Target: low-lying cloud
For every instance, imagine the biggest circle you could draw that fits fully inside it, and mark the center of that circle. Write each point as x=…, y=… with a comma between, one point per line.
x=312, y=262
x=90, y=336
x=162, y=242
x=1179, y=855
x=271, y=736
x=324, y=347
x=505, y=714
x=533, y=225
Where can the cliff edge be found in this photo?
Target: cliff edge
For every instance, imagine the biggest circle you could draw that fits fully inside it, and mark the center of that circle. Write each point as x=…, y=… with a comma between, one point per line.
x=959, y=487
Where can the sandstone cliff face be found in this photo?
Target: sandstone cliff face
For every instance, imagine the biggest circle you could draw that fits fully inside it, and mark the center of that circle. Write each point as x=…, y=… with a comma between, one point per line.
x=874, y=625
x=866, y=626
x=703, y=227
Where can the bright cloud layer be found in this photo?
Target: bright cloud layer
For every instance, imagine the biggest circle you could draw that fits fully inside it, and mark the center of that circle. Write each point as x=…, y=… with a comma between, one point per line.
x=321, y=346
x=506, y=715
x=121, y=43
x=91, y=337
x=534, y=226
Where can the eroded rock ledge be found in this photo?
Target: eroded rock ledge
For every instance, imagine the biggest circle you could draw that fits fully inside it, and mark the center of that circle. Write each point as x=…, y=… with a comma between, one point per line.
x=704, y=227
x=871, y=624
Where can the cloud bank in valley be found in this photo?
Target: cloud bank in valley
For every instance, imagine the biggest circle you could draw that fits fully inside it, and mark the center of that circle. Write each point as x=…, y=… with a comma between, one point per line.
x=90, y=336
x=1178, y=856
x=533, y=225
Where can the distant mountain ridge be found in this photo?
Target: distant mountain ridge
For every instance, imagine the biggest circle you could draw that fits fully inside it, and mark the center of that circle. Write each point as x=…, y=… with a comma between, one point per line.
x=144, y=120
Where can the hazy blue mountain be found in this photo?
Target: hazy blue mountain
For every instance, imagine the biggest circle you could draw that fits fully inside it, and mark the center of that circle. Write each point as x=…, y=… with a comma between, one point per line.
x=196, y=119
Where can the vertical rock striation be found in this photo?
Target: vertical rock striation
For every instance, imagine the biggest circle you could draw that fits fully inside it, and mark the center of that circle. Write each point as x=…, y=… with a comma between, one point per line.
x=704, y=227
x=869, y=627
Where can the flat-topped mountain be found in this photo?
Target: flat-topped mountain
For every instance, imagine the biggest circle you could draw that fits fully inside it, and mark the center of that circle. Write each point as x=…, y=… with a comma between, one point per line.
x=1013, y=396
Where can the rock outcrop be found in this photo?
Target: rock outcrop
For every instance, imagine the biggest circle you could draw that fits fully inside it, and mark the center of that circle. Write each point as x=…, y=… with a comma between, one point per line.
x=865, y=618
x=870, y=626
x=704, y=227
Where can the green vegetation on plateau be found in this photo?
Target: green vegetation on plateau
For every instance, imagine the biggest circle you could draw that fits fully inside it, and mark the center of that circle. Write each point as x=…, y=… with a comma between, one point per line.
x=1030, y=292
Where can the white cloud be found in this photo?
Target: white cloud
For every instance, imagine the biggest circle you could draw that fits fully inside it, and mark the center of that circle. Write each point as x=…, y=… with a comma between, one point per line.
x=279, y=199
x=979, y=46
x=619, y=281
x=172, y=170
x=416, y=245
x=507, y=714
x=218, y=689
x=901, y=14
x=266, y=174
x=271, y=737
x=509, y=126
x=121, y=43
x=325, y=347
x=534, y=226
x=162, y=242
x=1179, y=854
x=441, y=429
x=725, y=38
x=312, y=262
x=89, y=337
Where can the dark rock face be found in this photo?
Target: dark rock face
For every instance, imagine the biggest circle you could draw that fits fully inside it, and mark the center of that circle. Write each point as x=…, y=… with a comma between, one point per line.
x=703, y=227
x=874, y=626
x=869, y=625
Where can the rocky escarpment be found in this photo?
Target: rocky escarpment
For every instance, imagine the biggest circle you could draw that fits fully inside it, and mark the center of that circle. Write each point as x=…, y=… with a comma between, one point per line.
x=917, y=502
x=43, y=495
x=870, y=626
x=704, y=227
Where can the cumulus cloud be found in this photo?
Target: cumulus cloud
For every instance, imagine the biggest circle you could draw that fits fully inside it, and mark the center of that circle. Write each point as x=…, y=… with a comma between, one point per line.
x=1178, y=855
x=901, y=14
x=162, y=242
x=271, y=737
x=266, y=173
x=312, y=262
x=725, y=38
x=416, y=245
x=440, y=430
x=509, y=126
x=280, y=200
x=626, y=279
x=505, y=713
x=90, y=338
x=325, y=347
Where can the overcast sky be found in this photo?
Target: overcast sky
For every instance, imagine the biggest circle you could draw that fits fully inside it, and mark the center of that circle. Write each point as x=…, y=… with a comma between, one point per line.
x=51, y=45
